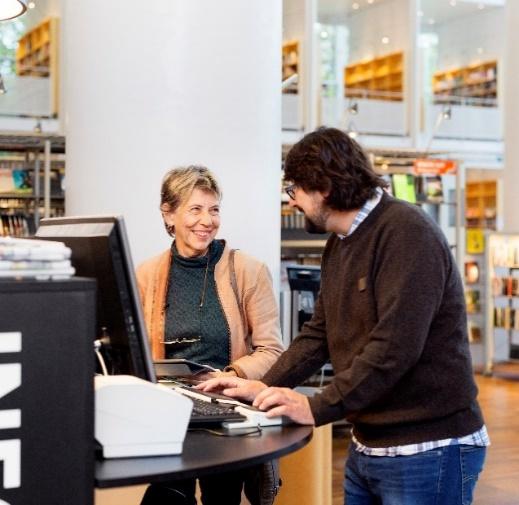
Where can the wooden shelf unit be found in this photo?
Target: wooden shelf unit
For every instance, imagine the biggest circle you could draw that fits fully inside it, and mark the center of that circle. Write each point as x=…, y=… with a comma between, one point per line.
x=477, y=81
x=481, y=204
x=37, y=48
x=290, y=64
x=380, y=78
x=37, y=56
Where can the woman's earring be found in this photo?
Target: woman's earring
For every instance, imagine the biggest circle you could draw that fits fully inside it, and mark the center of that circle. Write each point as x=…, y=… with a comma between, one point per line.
x=170, y=228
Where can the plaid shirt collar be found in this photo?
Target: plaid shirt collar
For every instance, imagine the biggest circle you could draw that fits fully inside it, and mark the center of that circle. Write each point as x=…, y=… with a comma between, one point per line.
x=364, y=212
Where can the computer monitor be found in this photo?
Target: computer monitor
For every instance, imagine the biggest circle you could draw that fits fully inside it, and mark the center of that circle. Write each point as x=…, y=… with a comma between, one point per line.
x=100, y=249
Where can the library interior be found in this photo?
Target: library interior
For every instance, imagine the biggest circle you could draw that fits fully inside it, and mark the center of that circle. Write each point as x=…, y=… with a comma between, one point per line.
x=99, y=100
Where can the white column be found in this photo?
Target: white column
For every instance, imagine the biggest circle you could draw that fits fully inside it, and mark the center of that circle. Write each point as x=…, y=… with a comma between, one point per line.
x=156, y=84
x=511, y=119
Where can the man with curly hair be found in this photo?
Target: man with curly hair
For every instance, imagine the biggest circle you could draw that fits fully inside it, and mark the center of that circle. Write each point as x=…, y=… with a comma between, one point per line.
x=391, y=318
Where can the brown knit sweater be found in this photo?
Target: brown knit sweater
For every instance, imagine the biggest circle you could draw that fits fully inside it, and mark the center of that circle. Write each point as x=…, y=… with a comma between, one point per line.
x=391, y=318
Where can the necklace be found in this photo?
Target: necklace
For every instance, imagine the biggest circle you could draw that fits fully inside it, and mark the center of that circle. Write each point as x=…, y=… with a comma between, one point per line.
x=192, y=340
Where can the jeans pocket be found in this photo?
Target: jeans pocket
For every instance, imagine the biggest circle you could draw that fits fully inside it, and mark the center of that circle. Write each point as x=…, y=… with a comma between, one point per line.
x=472, y=459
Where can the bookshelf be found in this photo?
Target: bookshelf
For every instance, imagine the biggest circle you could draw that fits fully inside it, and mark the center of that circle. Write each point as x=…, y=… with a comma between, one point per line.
x=474, y=84
x=378, y=78
x=32, y=169
x=481, y=204
x=502, y=327
x=290, y=64
x=37, y=55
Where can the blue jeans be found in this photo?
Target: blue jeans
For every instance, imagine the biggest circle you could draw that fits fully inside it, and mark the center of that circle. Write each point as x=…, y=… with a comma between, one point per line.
x=443, y=476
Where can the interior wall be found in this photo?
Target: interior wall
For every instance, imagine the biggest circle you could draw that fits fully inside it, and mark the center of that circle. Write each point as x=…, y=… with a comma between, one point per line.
x=458, y=45
x=368, y=26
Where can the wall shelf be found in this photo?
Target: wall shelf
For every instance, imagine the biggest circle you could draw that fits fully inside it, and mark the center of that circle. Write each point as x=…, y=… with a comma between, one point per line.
x=380, y=78
x=478, y=81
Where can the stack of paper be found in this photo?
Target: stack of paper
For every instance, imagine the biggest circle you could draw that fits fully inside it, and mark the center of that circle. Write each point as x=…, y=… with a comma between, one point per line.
x=36, y=259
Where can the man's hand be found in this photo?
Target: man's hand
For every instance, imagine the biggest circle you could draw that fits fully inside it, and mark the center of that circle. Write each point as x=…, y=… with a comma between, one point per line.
x=241, y=389
x=285, y=402
x=276, y=401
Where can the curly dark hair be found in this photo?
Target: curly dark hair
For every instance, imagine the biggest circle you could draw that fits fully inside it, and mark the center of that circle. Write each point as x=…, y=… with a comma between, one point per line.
x=330, y=161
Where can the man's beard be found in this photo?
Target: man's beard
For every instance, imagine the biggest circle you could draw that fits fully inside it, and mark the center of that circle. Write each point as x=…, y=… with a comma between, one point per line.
x=316, y=225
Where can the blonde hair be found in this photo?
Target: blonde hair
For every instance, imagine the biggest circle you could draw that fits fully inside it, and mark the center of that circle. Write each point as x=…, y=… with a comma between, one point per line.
x=180, y=182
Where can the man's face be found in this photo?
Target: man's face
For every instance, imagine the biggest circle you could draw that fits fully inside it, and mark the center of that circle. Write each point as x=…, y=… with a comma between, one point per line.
x=312, y=205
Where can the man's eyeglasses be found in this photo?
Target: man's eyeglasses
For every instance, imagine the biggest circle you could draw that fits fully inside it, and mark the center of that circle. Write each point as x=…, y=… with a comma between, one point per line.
x=291, y=191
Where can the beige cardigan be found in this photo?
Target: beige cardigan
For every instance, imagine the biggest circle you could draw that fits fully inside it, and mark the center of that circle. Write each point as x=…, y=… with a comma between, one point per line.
x=256, y=342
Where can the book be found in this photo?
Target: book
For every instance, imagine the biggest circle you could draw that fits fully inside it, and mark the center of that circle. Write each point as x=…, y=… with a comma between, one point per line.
x=471, y=272
x=22, y=181
x=472, y=300
x=474, y=332
x=403, y=187
x=475, y=241
x=429, y=188
x=6, y=180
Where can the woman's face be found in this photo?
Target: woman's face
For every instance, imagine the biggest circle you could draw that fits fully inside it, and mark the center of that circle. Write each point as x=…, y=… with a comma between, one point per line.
x=196, y=223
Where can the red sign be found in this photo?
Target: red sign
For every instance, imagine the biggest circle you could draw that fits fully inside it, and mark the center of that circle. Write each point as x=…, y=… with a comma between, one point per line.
x=433, y=166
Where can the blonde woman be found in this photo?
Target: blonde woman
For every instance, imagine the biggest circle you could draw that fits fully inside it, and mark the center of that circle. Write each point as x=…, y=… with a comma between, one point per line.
x=206, y=302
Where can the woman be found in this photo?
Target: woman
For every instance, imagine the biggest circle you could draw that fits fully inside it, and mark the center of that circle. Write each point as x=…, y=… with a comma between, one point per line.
x=205, y=302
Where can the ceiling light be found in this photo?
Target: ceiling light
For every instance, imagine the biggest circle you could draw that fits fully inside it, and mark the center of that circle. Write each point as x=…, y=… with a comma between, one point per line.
x=453, y=3
x=355, y=6
x=31, y=5
x=480, y=50
x=370, y=1
x=324, y=34
x=385, y=40
x=431, y=21
x=420, y=14
x=10, y=9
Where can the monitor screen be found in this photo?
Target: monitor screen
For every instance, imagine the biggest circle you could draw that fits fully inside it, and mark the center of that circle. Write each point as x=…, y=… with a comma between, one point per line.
x=100, y=250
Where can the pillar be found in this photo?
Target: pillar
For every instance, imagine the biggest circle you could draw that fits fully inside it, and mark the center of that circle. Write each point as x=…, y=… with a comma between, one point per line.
x=152, y=85
x=511, y=119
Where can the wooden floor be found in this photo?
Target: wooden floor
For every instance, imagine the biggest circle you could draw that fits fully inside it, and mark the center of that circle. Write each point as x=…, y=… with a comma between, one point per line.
x=499, y=481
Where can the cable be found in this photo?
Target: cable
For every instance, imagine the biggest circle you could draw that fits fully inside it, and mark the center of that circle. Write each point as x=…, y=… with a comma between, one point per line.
x=253, y=432
x=100, y=359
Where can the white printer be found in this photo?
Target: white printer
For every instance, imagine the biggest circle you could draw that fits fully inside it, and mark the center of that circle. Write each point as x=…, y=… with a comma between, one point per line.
x=134, y=417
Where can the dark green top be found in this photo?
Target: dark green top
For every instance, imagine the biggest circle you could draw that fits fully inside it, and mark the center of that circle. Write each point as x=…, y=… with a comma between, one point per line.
x=185, y=319
x=391, y=318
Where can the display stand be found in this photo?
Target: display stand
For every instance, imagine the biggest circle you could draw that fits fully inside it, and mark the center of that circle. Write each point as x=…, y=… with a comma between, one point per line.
x=46, y=339
x=501, y=339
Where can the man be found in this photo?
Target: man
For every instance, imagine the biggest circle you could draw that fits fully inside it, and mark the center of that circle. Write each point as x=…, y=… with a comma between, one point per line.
x=391, y=318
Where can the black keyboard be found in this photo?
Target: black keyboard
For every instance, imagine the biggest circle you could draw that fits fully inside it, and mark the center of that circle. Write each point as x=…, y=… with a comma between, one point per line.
x=211, y=413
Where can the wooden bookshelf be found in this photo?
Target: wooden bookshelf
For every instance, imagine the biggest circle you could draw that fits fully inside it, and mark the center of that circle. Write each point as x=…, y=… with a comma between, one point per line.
x=379, y=78
x=477, y=82
x=481, y=204
x=37, y=55
x=290, y=63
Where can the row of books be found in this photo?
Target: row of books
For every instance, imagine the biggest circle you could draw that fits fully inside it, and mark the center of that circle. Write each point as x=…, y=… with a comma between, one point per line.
x=505, y=254
x=40, y=259
x=292, y=218
x=21, y=180
x=16, y=225
x=13, y=180
x=505, y=286
x=507, y=318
